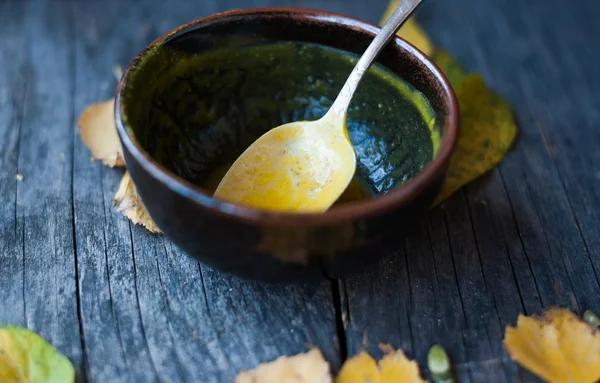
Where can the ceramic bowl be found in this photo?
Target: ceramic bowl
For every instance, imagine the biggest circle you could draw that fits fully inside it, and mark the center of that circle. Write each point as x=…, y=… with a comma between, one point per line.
x=171, y=175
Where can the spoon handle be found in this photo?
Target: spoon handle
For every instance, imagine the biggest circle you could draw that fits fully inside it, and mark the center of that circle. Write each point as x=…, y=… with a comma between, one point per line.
x=400, y=15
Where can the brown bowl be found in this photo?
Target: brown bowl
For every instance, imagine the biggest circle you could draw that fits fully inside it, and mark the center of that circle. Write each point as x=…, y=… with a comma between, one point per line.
x=273, y=246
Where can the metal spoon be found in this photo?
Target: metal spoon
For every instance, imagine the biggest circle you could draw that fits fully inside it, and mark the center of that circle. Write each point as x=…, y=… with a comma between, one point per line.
x=305, y=166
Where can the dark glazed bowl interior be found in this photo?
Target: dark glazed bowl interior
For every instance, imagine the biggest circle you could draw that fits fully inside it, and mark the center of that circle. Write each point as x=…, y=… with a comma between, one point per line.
x=185, y=111
x=208, y=108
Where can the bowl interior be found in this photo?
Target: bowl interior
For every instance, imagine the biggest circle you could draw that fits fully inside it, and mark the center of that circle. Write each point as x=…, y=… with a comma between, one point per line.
x=200, y=97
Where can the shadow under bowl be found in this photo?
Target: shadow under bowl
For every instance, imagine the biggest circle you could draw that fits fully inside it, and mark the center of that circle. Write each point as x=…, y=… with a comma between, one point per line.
x=195, y=98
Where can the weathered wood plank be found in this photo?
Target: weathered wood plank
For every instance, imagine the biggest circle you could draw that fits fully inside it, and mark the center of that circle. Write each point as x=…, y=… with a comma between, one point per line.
x=44, y=212
x=546, y=135
x=162, y=316
x=505, y=230
x=567, y=118
x=364, y=329
x=116, y=342
x=270, y=320
x=113, y=331
x=482, y=333
x=449, y=306
x=523, y=237
x=447, y=292
x=12, y=104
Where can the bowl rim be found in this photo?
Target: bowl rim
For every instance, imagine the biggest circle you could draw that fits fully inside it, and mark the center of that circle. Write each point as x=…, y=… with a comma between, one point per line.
x=351, y=211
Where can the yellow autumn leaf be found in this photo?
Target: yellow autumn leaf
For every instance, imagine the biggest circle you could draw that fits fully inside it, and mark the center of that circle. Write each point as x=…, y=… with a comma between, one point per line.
x=361, y=368
x=396, y=367
x=488, y=130
x=99, y=133
x=558, y=347
x=25, y=357
x=309, y=367
x=128, y=202
x=411, y=31
x=393, y=367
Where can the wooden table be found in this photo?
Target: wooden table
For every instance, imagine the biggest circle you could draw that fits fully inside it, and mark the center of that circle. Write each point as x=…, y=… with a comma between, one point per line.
x=126, y=305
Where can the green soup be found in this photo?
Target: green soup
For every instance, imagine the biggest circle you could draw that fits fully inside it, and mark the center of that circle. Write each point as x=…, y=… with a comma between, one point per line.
x=196, y=113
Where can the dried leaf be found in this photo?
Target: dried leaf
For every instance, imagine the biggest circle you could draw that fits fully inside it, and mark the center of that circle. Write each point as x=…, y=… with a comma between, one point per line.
x=128, y=202
x=394, y=367
x=309, y=367
x=488, y=130
x=99, y=133
x=411, y=31
x=26, y=357
x=361, y=368
x=558, y=347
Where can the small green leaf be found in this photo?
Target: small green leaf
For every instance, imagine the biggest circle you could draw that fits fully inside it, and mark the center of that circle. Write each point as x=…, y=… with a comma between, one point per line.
x=591, y=318
x=439, y=365
x=27, y=357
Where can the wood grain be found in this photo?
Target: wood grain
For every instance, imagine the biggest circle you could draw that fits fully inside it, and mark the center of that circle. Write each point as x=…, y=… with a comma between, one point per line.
x=12, y=106
x=521, y=238
x=149, y=312
x=44, y=214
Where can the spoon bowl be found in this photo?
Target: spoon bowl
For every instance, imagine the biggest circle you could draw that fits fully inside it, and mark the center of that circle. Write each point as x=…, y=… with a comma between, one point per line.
x=297, y=167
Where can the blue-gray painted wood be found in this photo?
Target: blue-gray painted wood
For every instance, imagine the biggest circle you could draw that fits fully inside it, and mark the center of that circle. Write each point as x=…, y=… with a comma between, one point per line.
x=525, y=236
